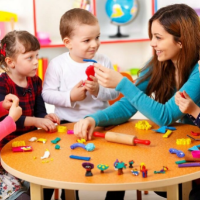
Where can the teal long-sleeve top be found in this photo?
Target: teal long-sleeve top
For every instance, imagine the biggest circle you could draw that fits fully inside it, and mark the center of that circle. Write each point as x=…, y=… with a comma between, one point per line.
x=135, y=99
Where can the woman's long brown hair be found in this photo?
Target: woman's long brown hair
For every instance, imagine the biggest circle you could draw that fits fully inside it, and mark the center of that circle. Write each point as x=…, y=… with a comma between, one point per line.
x=182, y=22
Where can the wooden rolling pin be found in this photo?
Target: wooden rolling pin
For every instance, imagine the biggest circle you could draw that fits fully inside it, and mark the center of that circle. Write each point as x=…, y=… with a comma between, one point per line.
x=121, y=138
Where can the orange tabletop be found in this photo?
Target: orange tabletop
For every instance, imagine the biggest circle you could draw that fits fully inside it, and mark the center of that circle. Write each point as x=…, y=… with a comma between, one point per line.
x=59, y=171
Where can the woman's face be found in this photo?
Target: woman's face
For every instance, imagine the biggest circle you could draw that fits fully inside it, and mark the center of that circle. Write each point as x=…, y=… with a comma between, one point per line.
x=163, y=43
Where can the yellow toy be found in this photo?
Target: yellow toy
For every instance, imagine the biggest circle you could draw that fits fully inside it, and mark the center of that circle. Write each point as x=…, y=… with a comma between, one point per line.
x=144, y=125
x=183, y=141
x=42, y=140
x=18, y=143
x=81, y=141
x=167, y=134
x=62, y=129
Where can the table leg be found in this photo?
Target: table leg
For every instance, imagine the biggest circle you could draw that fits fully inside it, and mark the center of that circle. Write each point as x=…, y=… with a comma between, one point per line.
x=70, y=195
x=36, y=192
x=186, y=188
x=172, y=192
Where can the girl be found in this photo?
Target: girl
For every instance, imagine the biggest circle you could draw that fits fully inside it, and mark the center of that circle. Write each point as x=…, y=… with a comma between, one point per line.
x=176, y=43
x=19, y=60
x=10, y=187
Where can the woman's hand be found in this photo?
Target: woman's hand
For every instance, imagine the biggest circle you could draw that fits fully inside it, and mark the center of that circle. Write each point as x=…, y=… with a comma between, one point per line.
x=84, y=128
x=108, y=78
x=53, y=117
x=9, y=99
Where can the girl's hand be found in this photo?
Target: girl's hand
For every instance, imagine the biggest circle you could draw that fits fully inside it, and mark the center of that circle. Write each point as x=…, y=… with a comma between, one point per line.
x=53, y=117
x=92, y=86
x=9, y=99
x=45, y=124
x=187, y=105
x=178, y=97
x=15, y=111
x=108, y=78
x=84, y=128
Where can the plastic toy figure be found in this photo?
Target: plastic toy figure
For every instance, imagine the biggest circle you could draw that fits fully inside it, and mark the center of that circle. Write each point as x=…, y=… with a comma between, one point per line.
x=119, y=166
x=144, y=173
x=142, y=166
x=179, y=153
x=102, y=167
x=135, y=172
x=131, y=162
x=88, y=166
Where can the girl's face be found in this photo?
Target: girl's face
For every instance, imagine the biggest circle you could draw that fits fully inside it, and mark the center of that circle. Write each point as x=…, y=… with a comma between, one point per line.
x=163, y=43
x=84, y=43
x=25, y=64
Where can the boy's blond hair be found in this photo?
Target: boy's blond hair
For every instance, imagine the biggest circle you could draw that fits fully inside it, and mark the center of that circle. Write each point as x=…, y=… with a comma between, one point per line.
x=73, y=17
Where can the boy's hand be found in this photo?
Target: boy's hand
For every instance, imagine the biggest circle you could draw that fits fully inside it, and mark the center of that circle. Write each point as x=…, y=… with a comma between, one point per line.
x=15, y=111
x=45, y=124
x=53, y=117
x=92, y=86
x=84, y=128
x=78, y=92
x=9, y=99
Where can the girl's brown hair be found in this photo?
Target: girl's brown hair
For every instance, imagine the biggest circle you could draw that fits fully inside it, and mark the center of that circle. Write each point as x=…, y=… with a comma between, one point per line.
x=9, y=44
x=182, y=22
x=73, y=17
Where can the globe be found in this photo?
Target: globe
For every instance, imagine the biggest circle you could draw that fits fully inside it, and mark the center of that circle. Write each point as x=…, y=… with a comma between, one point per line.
x=121, y=12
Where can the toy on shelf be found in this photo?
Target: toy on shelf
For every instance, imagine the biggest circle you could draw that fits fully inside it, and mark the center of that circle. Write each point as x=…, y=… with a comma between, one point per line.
x=102, y=167
x=179, y=153
x=79, y=157
x=120, y=166
x=90, y=70
x=143, y=125
x=144, y=173
x=43, y=38
x=135, y=172
x=8, y=17
x=183, y=141
x=121, y=138
x=88, y=166
x=131, y=162
x=88, y=147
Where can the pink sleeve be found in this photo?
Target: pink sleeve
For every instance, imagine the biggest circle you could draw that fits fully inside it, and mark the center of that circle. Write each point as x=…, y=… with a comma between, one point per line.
x=3, y=111
x=7, y=126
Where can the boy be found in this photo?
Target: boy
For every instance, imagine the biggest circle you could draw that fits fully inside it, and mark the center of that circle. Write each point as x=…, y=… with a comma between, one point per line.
x=63, y=84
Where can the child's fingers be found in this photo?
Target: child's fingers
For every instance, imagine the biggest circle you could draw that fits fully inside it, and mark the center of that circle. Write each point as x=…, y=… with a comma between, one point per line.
x=186, y=95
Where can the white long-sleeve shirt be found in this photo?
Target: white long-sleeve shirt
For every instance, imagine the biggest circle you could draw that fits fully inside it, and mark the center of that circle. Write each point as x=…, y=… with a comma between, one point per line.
x=61, y=76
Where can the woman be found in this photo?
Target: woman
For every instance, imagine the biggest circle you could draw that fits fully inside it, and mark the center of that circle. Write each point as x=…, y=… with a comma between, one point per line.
x=175, y=39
